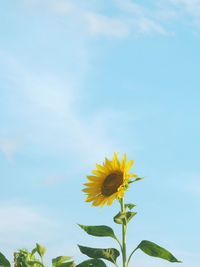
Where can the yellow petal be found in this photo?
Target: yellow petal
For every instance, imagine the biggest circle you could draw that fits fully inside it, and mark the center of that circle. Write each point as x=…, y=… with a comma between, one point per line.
x=100, y=168
x=91, y=190
x=103, y=202
x=107, y=164
x=116, y=163
x=110, y=199
x=98, y=173
x=132, y=175
x=129, y=165
x=92, y=178
x=123, y=163
x=97, y=201
x=93, y=185
x=90, y=198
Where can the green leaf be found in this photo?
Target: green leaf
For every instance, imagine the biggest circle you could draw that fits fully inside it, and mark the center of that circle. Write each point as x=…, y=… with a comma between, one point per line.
x=92, y=263
x=154, y=250
x=23, y=257
x=40, y=249
x=109, y=254
x=3, y=261
x=137, y=179
x=130, y=206
x=124, y=217
x=34, y=262
x=99, y=230
x=33, y=251
x=66, y=264
x=59, y=260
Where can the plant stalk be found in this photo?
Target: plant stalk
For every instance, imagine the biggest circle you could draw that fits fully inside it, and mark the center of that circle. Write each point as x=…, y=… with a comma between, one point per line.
x=124, y=226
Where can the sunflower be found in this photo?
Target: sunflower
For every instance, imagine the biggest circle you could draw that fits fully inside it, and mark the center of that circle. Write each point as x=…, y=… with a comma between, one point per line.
x=109, y=181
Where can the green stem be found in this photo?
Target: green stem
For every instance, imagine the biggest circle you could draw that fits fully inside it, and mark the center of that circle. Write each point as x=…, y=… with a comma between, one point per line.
x=118, y=243
x=42, y=261
x=131, y=255
x=124, y=226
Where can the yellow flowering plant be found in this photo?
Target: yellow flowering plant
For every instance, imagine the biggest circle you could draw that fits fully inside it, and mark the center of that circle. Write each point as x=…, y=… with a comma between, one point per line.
x=109, y=182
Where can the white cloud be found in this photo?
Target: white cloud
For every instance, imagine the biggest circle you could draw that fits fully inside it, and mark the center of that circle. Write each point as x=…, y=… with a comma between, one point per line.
x=60, y=7
x=192, y=186
x=190, y=183
x=52, y=119
x=18, y=218
x=142, y=18
x=21, y=226
x=132, y=19
x=189, y=7
x=103, y=25
x=148, y=26
x=94, y=23
x=21, y=223
x=181, y=11
x=9, y=147
x=52, y=179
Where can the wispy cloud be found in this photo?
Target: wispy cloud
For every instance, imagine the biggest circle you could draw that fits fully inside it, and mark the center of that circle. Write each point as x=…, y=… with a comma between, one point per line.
x=52, y=179
x=131, y=19
x=52, y=119
x=99, y=24
x=192, y=186
x=22, y=222
x=94, y=23
x=9, y=147
x=142, y=19
x=179, y=11
x=22, y=226
x=189, y=182
x=188, y=7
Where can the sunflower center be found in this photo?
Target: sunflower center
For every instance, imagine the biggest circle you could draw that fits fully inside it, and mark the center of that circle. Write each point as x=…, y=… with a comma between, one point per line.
x=112, y=183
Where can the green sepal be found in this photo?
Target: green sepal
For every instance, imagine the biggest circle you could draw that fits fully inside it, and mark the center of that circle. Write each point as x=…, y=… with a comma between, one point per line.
x=154, y=250
x=124, y=217
x=99, y=230
x=40, y=250
x=109, y=254
x=130, y=206
x=3, y=261
x=58, y=260
x=137, y=179
x=92, y=263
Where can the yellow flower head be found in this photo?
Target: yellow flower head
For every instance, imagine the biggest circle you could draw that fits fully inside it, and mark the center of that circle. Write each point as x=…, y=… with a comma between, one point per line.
x=109, y=181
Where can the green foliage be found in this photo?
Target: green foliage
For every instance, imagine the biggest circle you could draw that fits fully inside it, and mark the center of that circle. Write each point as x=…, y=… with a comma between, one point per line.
x=130, y=206
x=40, y=250
x=99, y=230
x=56, y=262
x=154, y=250
x=109, y=254
x=92, y=263
x=67, y=264
x=137, y=179
x=24, y=258
x=3, y=261
x=124, y=217
x=34, y=263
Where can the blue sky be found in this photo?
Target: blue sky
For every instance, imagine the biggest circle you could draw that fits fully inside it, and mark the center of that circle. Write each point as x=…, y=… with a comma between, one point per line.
x=80, y=80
